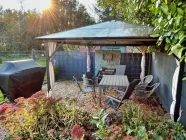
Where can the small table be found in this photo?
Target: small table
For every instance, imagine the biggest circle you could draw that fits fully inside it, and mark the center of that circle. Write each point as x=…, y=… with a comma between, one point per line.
x=118, y=81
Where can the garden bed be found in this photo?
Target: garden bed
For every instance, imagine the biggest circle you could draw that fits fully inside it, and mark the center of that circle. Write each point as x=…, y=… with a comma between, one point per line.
x=63, y=117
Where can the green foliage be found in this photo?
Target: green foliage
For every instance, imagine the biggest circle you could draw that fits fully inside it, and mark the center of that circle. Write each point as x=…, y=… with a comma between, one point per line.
x=129, y=11
x=99, y=121
x=169, y=20
x=2, y=97
x=39, y=117
x=140, y=124
x=133, y=123
x=148, y=125
x=107, y=13
x=56, y=70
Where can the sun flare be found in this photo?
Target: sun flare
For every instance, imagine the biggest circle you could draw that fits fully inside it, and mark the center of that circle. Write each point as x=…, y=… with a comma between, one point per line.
x=46, y=4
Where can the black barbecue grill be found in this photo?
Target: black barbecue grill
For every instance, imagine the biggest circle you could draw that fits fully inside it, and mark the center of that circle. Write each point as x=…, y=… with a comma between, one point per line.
x=21, y=78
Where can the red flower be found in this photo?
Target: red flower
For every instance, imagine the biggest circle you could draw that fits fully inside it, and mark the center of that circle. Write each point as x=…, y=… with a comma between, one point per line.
x=49, y=132
x=129, y=138
x=2, y=117
x=38, y=94
x=20, y=99
x=13, y=109
x=77, y=132
x=3, y=107
x=19, y=138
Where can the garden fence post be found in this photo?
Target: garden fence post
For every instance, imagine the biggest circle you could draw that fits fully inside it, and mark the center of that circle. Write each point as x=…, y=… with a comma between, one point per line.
x=33, y=55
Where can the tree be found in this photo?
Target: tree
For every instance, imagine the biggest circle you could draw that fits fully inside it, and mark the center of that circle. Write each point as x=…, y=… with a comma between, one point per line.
x=19, y=28
x=107, y=13
x=66, y=15
x=129, y=11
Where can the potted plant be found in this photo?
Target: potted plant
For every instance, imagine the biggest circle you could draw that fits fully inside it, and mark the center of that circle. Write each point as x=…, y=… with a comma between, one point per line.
x=56, y=72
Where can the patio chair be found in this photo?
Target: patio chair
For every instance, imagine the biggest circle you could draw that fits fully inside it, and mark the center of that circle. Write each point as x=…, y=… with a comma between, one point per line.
x=116, y=102
x=92, y=80
x=120, y=70
x=144, y=82
x=84, y=90
x=147, y=92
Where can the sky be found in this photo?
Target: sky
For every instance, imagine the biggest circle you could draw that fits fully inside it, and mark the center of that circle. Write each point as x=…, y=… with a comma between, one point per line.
x=37, y=4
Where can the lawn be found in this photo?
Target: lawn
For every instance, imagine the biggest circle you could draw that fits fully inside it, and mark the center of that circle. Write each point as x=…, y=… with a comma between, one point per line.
x=41, y=62
x=1, y=97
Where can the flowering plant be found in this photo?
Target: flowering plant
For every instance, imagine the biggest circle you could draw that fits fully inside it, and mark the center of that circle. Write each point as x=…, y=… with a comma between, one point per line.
x=40, y=117
x=77, y=132
x=23, y=116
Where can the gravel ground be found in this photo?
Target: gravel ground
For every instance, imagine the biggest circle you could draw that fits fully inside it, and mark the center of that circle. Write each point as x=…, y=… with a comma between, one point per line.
x=69, y=90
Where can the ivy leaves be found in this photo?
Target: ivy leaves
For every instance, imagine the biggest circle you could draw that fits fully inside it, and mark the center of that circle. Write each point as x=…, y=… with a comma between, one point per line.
x=169, y=20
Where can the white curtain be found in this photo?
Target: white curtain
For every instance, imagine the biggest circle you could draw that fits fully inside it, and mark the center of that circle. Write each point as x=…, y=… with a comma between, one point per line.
x=174, y=92
x=143, y=50
x=88, y=59
x=51, y=48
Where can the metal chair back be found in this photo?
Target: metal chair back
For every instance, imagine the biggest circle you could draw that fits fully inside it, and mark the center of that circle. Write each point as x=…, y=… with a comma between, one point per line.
x=115, y=102
x=146, y=80
x=155, y=86
x=130, y=89
x=146, y=93
x=77, y=82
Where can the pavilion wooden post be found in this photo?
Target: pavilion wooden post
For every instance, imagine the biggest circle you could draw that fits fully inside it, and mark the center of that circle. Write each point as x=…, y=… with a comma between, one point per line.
x=143, y=50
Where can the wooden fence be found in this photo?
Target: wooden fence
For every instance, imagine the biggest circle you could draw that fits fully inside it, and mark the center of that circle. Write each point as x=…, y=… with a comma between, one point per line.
x=74, y=64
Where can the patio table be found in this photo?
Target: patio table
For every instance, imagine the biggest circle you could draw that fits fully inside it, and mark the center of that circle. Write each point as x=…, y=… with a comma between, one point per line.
x=118, y=81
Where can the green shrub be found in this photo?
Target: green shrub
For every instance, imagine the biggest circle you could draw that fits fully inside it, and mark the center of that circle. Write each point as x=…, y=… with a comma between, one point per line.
x=39, y=117
x=99, y=121
x=139, y=124
x=56, y=72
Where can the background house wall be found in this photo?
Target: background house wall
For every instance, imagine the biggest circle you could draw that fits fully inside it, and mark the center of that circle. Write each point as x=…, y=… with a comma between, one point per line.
x=163, y=67
x=101, y=62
